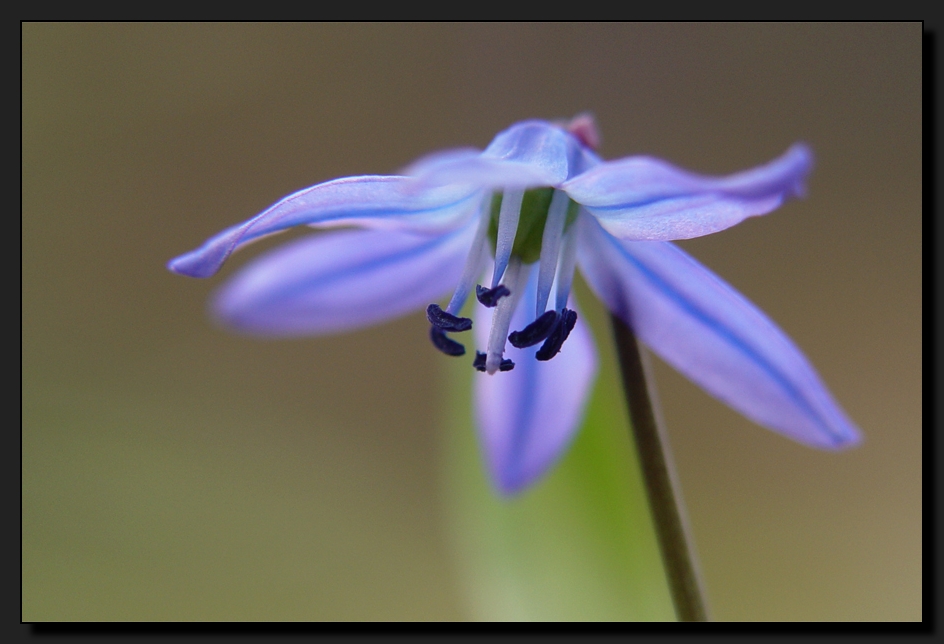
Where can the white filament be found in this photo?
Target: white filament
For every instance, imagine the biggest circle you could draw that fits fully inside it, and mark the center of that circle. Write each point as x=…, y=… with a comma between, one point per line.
x=474, y=261
x=501, y=320
x=507, y=227
x=565, y=271
x=550, y=247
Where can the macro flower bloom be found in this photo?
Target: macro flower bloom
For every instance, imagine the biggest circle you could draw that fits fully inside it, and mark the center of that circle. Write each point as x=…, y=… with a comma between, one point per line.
x=524, y=213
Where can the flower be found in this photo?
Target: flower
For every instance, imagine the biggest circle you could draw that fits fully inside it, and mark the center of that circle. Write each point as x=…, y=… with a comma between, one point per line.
x=536, y=203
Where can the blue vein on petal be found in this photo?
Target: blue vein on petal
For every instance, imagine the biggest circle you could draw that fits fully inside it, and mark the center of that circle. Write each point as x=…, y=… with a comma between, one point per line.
x=725, y=333
x=245, y=235
x=358, y=269
x=679, y=197
x=527, y=400
x=519, y=437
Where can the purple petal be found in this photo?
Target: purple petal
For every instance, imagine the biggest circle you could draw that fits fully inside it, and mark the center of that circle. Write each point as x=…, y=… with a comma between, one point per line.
x=341, y=281
x=526, y=155
x=381, y=202
x=527, y=417
x=641, y=198
x=713, y=335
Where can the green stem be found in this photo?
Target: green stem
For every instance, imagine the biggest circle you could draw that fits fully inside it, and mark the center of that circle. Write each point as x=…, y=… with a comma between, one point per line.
x=661, y=485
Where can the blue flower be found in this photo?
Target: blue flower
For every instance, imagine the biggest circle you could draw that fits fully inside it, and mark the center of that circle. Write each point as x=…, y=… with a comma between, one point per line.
x=536, y=203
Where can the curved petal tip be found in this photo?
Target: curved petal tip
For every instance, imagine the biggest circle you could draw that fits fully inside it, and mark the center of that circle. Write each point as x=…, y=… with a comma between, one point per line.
x=194, y=264
x=647, y=199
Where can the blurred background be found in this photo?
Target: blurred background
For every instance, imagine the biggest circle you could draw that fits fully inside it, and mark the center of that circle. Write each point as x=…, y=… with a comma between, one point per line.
x=175, y=471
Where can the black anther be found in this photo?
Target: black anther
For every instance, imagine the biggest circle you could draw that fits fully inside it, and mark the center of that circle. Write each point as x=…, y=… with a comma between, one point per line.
x=534, y=332
x=446, y=345
x=489, y=296
x=555, y=340
x=446, y=321
x=479, y=363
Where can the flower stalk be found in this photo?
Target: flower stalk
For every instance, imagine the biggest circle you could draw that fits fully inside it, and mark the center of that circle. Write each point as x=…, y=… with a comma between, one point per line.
x=661, y=482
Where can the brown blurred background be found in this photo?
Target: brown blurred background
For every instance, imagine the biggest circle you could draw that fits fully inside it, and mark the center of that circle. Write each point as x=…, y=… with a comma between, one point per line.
x=172, y=470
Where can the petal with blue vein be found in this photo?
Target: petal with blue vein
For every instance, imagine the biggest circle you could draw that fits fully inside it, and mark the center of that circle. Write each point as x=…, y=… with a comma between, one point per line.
x=342, y=280
x=528, y=417
x=641, y=198
x=380, y=202
x=708, y=331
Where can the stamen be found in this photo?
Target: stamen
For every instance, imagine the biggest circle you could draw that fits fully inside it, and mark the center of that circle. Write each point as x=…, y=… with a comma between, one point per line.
x=479, y=363
x=534, y=332
x=552, y=346
x=446, y=345
x=501, y=319
x=446, y=321
x=507, y=227
x=474, y=261
x=565, y=271
x=550, y=246
x=489, y=296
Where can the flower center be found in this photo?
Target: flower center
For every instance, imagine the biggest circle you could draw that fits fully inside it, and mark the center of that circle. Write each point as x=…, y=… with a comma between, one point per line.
x=523, y=227
x=531, y=222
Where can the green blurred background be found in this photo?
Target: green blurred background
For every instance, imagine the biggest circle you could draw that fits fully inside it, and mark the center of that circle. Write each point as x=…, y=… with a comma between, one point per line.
x=172, y=470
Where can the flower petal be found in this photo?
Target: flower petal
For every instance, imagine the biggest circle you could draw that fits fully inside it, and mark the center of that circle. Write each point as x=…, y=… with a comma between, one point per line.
x=528, y=416
x=713, y=335
x=641, y=198
x=526, y=155
x=430, y=161
x=382, y=202
x=341, y=281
